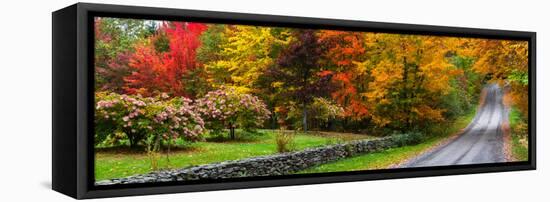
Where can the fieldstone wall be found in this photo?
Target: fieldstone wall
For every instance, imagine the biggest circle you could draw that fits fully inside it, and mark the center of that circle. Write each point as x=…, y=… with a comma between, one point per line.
x=278, y=164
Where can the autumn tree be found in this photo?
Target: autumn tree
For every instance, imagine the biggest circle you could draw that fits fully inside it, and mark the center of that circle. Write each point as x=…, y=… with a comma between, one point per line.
x=240, y=57
x=506, y=62
x=342, y=50
x=237, y=55
x=298, y=71
x=114, y=43
x=155, y=72
x=410, y=74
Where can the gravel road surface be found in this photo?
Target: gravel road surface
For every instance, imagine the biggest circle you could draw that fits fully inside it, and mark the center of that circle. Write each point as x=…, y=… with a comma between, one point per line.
x=481, y=141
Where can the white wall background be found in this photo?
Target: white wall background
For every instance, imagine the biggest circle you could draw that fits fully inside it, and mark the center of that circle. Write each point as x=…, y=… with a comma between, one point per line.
x=25, y=99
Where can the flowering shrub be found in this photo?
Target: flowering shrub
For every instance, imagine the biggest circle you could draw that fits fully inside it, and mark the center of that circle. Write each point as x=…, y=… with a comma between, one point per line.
x=120, y=113
x=146, y=118
x=176, y=118
x=252, y=112
x=226, y=108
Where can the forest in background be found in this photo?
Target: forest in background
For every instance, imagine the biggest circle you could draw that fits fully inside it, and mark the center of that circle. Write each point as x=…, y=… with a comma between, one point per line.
x=184, y=79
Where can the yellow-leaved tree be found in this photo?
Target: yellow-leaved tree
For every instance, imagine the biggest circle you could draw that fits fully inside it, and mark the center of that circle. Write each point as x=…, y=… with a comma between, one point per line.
x=410, y=74
x=239, y=54
x=506, y=62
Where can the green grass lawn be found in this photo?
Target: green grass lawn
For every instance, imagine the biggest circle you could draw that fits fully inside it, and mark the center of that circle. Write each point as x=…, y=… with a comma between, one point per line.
x=117, y=163
x=519, y=151
x=393, y=156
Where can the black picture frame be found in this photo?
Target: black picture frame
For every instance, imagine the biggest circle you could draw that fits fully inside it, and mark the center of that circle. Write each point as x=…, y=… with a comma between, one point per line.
x=73, y=108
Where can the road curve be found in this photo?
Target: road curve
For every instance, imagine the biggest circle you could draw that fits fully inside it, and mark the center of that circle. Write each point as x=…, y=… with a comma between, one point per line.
x=481, y=141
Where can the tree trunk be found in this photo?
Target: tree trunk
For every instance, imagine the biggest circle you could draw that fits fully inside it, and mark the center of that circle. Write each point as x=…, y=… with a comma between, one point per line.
x=304, y=120
x=131, y=139
x=272, y=116
x=232, y=132
x=168, y=151
x=156, y=147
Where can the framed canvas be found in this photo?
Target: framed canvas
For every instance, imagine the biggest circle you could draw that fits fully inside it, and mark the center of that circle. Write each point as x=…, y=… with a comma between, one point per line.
x=157, y=100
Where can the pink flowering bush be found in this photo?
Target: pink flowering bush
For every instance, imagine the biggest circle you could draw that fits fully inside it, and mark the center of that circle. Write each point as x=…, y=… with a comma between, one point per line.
x=252, y=112
x=226, y=108
x=142, y=119
x=120, y=114
x=175, y=118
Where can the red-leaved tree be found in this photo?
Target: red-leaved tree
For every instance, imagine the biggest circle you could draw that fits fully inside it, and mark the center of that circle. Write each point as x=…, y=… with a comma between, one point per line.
x=155, y=71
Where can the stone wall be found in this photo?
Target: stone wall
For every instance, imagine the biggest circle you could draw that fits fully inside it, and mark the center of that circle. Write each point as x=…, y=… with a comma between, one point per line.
x=278, y=164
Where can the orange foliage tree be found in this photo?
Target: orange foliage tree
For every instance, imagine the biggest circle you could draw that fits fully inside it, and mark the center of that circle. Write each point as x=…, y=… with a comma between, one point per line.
x=342, y=49
x=410, y=75
x=506, y=62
